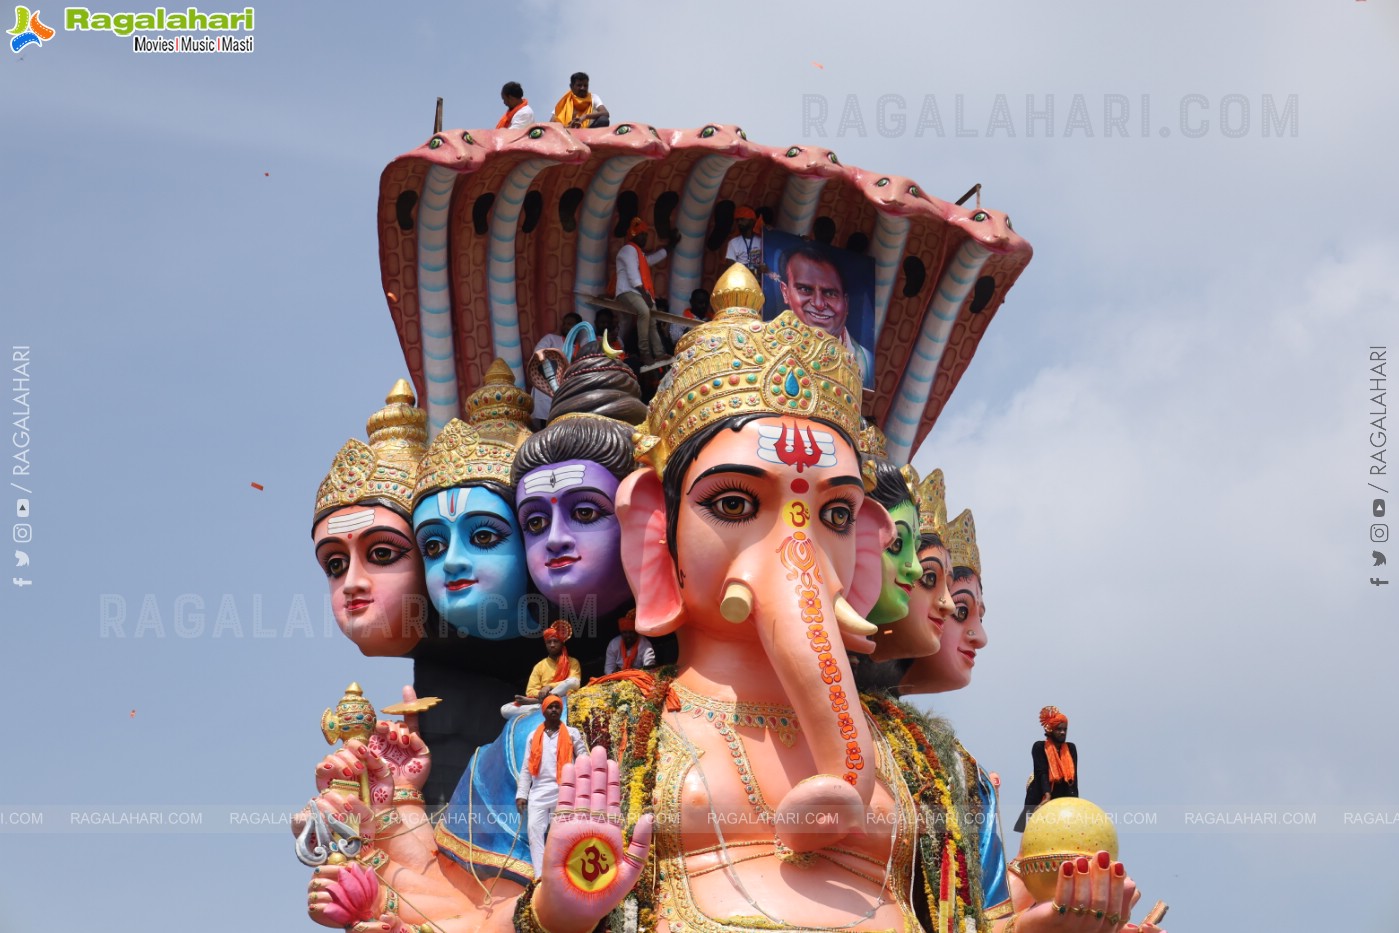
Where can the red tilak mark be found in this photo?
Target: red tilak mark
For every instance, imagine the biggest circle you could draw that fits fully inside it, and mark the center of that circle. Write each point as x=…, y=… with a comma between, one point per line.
x=788, y=452
x=257, y=486
x=350, y=536
x=553, y=500
x=800, y=485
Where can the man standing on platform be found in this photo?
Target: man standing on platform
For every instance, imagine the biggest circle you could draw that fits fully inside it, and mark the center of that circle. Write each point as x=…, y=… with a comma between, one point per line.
x=635, y=290
x=747, y=245
x=552, y=746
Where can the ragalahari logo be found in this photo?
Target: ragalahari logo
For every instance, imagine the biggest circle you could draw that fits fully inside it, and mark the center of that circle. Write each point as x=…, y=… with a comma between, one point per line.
x=28, y=30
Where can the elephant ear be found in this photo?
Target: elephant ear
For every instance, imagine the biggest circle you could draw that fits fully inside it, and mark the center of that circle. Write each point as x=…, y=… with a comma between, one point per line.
x=645, y=557
x=874, y=531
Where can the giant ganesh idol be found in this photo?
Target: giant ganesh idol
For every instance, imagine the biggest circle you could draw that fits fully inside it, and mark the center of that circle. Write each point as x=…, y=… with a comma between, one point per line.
x=748, y=787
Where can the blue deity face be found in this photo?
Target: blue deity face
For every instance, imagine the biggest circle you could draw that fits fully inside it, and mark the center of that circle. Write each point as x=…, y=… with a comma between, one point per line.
x=474, y=558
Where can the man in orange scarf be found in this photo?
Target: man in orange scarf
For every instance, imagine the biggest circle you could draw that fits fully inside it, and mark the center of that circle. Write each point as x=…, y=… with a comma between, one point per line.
x=557, y=674
x=635, y=289
x=552, y=746
x=578, y=108
x=1056, y=765
x=518, y=112
x=628, y=650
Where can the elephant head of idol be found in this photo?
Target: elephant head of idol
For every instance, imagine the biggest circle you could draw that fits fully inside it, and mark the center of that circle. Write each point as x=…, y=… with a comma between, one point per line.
x=752, y=526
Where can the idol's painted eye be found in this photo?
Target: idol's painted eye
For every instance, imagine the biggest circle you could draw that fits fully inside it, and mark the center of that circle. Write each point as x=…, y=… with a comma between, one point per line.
x=896, y=548
x=962, y=613
x=468, y=139
x=741, y=134
x=434, y=547
x=832, y=157
x=929, y=580
x=536, y=133
x=486, y=538
x=586, y=514
x=839, y=516
x=622, y=130
x=537, y=524
x=882, y=183
x=336, y=566
x=980, y=216
x=731, y=505
x=913, y=190
x=708, y=131
x=1008, y=226
x=435, y=142
x=794, y=152
x=383, y=555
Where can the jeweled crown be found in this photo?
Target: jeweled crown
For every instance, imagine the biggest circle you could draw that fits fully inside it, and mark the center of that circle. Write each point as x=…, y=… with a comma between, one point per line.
x=961, y=542
x=872, y=441
x=387, y=467
x=462, y=454
x=736, y=365
x=932, y=505
x=499, y=407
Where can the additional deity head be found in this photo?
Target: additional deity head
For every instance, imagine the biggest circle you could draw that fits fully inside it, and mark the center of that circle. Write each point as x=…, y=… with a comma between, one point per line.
x=962, y=634
x=363, y=535
x=566, y=480
x=464, y=520
x=900, y=562
x=814, y=288
x=755, y=470
x=929, y=602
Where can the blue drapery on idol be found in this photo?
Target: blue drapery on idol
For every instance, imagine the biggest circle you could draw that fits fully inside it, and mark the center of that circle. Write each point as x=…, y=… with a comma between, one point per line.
x=482, y=830
x=995, y=892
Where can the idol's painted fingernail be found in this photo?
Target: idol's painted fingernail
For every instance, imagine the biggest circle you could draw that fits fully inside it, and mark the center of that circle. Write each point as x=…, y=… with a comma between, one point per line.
x=1104, y=860
x=1068, y=869
x=1081, y=864
x=1119, y=869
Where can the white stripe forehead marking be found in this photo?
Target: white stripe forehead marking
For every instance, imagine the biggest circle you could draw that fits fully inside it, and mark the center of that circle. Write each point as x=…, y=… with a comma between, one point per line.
x=548, y=481
x=346, y=522
x=768, y=436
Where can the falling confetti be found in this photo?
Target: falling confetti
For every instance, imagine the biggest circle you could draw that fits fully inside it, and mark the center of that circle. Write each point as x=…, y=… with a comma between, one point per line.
x=266, y=174
x=133, y=714
x=257, y=486
x=819, y=65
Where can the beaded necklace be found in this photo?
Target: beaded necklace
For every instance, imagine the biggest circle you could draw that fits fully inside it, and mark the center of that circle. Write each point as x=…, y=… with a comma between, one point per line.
x=723, y=715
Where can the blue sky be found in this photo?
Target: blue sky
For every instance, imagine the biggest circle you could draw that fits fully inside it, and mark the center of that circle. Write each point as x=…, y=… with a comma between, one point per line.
x=1164, y=435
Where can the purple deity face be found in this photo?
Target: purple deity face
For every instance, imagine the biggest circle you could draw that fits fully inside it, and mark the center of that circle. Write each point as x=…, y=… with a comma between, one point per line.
x=572, y=539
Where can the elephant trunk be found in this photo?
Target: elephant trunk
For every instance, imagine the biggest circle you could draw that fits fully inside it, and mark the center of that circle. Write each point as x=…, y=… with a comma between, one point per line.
x=796, y=616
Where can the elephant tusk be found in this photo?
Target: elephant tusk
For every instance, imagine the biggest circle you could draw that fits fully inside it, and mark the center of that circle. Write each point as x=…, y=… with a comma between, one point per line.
x=851, y=621
x=737, y=603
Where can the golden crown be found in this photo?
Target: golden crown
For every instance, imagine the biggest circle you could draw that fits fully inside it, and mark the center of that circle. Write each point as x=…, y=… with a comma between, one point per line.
x=932, y=505
x=462, y=454
x=737, y=365
x=872, y=441
x=961, y=542
x=499, y=407
x=385, y=468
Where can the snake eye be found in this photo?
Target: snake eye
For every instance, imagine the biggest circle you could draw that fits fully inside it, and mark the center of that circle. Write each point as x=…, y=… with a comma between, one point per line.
x=979, y=216
x=435, y=142
x=741, y=134
x=793, y=152
x=622, y=130
x=653, y=132
x=466, y=137
x=913, y=190
x=882, y=183
x=1008, y=226
x=832, y=157
x=708, y=131
x=536, y=133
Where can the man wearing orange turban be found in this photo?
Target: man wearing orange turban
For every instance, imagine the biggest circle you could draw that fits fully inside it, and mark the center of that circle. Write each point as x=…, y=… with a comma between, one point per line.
x=628, y=650
x=1056, y=765
x=557, y=674
x=635, y=289
x=552, y=746
x=747, y=245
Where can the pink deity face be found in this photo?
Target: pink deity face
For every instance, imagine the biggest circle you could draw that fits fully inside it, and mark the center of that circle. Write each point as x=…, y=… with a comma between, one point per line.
x=759, y=488
x=568, y=514
x=376, y=578
x=963, y=637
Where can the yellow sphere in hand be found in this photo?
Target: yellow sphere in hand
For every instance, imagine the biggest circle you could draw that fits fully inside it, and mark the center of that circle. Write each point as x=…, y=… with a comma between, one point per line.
x=1061, y=829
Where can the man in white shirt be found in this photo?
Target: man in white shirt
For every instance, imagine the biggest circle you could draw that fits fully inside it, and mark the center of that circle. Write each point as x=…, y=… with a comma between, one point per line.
x=518, y=112
x=635, y=289
x=747, y=246
x=578, y=108
x=542, y=401
x=537, y=790
x=628, y=650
